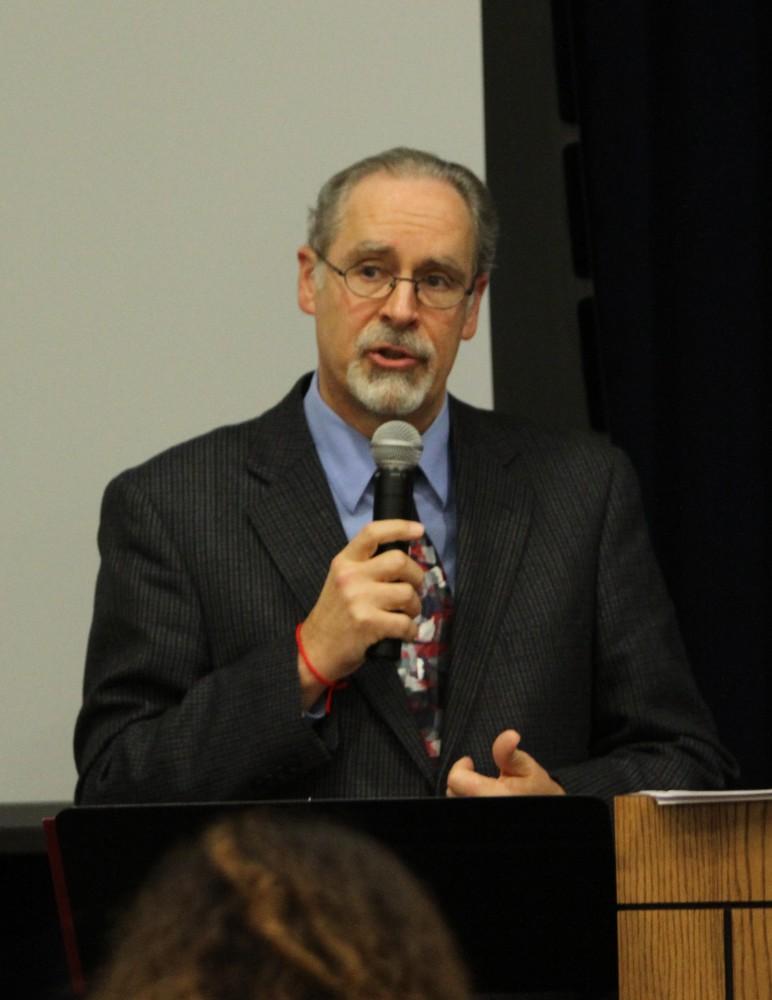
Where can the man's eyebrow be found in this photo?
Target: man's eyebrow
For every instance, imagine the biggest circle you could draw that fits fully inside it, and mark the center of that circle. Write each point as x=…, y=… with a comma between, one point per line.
x=443, y=263
x=367, y=248
x=384, y=249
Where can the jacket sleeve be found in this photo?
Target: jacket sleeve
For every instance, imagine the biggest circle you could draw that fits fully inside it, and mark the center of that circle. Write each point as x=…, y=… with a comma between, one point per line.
x=158, y=723
x=650, y=726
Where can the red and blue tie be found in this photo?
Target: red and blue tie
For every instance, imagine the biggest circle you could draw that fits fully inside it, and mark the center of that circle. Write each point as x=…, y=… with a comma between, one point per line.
x=424, y=663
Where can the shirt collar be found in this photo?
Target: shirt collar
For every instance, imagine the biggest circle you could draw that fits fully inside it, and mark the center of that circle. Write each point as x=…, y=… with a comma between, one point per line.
x=345, y=453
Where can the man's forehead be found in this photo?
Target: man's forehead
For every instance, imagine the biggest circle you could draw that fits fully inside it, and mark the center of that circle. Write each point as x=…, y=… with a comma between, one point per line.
x=382, y=210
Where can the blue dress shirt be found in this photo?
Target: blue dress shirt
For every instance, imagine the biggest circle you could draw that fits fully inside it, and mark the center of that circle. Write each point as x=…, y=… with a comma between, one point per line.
x=349, y=467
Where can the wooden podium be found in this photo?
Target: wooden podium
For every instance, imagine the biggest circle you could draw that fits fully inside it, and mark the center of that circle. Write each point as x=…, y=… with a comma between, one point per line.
x=694, y=892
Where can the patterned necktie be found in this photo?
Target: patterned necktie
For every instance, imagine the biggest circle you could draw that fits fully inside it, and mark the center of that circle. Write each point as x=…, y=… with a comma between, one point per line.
x=424, y=663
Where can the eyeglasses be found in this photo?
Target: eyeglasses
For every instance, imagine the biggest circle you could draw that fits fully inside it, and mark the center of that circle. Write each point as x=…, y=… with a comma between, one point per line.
x=369, y=280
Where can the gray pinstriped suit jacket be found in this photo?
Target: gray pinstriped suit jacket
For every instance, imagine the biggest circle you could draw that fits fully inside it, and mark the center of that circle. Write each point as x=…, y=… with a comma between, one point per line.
x=214, y=550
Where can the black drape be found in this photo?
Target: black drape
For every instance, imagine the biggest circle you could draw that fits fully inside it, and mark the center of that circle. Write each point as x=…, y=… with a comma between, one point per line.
x=666, y=207
x=674, y=107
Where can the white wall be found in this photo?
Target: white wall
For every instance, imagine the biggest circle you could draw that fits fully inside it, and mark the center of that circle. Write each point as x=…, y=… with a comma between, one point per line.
x=158, y=157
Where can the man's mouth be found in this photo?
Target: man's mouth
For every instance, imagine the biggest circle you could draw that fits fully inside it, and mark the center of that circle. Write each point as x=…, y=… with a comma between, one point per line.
x=388, y=356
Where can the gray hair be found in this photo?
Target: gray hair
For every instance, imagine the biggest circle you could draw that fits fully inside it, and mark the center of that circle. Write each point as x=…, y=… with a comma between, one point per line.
x=324, y=219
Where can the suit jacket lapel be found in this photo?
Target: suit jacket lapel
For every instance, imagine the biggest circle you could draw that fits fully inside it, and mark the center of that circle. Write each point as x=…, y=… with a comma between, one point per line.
x=493, y=514
x=295, y=515
x=380, y=683
x=293, y=512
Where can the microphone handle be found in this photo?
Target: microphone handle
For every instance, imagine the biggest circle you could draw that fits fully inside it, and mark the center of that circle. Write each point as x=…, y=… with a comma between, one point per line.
x=393, y=499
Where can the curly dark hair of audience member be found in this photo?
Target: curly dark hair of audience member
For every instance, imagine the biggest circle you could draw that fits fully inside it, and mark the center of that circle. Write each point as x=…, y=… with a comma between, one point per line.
x=266, y=907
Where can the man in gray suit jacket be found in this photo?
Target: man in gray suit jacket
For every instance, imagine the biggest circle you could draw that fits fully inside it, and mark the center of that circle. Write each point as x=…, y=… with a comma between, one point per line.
x=242, y=585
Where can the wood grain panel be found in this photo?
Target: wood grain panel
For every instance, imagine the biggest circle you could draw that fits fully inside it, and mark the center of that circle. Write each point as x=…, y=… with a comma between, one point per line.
x=752, y=954
x=694, y=853
x=671, y=955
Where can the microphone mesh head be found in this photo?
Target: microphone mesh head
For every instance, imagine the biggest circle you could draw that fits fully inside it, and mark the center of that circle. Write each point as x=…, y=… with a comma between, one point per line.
x=396, y=445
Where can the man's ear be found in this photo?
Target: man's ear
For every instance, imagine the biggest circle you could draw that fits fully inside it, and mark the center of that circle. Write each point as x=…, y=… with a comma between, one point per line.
x=473, y=309
x=306, y=280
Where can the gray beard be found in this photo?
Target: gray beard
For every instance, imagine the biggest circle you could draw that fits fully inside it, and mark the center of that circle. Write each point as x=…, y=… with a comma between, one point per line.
x=390, y=393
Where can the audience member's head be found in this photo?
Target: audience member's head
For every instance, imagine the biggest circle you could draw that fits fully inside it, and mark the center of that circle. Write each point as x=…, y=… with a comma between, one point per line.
x=261, y=906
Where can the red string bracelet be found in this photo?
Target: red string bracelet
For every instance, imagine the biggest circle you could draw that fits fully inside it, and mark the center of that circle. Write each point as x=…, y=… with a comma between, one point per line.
x=332, y=686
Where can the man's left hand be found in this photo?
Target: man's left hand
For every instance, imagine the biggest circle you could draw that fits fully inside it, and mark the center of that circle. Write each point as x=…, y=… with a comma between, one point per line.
x=519, y=773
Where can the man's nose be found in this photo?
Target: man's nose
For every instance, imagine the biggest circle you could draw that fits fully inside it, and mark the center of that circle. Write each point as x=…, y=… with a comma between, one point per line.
x=400, y=307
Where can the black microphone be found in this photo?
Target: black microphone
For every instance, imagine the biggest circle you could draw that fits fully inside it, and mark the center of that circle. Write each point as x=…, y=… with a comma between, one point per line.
x=396, y=447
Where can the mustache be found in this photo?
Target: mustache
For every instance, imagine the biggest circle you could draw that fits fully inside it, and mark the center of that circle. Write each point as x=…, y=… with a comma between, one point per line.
x=407, y=340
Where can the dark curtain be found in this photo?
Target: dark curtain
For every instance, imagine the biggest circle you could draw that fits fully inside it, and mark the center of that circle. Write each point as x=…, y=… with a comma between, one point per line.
x=675, y=110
